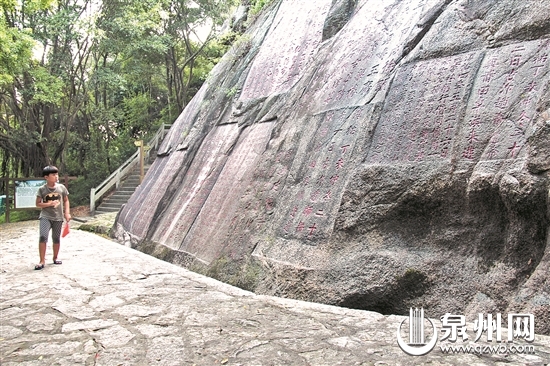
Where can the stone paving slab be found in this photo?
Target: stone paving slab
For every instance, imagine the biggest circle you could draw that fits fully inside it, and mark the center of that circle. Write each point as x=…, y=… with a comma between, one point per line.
x=111, y=305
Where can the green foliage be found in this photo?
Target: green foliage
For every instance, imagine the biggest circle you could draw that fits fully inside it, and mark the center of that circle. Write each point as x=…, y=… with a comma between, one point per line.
x=79, y=190
x=136, y=109
x=16, y=46
x=78, y=90
x=227, y=39
x=240, y=47
x=257, y=5
x=232, y=91
x=45, y=87
x=18, y=216
x=31, y=6
x=7, y=5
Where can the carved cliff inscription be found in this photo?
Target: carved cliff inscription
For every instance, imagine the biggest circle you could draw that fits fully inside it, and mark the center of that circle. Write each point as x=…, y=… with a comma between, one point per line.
x=196, y=187
x=423, y=110
x=207, y=234
x=295, y=34
x=312, y=203
x=503, y=101
x=363, y=65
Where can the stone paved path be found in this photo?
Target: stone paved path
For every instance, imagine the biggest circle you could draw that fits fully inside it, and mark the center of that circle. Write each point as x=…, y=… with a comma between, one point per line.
x=111, y=305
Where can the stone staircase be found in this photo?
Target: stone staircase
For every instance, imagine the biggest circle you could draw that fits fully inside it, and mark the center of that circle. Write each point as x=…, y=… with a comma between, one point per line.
x=114, y=202
x=115, y=191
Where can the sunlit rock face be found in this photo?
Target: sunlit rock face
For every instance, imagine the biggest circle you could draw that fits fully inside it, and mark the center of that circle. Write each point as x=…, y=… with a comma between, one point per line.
x=369, y=154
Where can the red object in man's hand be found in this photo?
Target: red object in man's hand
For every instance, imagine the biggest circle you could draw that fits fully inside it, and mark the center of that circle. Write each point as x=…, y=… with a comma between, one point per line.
x=65, y=230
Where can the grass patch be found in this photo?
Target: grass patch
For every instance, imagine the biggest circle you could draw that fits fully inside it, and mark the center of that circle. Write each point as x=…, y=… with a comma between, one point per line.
x=18, y=216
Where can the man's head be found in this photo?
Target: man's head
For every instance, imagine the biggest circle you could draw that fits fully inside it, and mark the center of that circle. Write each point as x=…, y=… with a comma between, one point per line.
x=50, y=169
x=51, y=174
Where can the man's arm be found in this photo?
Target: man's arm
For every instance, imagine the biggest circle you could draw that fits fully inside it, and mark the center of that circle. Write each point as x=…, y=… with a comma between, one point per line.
x=42, y=204
x=67, y=208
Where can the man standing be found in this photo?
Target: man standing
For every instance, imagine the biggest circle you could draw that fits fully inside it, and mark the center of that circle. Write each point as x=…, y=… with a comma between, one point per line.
x=53, y=199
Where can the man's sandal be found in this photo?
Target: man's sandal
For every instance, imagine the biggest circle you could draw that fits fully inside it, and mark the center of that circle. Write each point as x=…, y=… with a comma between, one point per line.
x=38, y=267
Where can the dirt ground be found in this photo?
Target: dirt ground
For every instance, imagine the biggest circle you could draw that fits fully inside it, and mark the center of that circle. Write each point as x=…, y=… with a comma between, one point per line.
x=80, y=211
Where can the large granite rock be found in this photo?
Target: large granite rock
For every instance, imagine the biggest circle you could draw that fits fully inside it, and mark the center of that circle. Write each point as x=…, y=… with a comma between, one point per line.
x=369, y=154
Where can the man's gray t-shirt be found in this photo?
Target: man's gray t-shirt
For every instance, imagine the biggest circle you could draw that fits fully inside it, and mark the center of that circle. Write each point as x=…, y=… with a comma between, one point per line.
x=58, y=193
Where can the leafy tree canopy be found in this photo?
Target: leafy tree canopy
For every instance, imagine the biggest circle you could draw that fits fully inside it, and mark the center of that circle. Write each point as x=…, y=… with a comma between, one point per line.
x=81, y=80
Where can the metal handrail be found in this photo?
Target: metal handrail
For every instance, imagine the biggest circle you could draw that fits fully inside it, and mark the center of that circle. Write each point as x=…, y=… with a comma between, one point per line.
x=124, y=169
